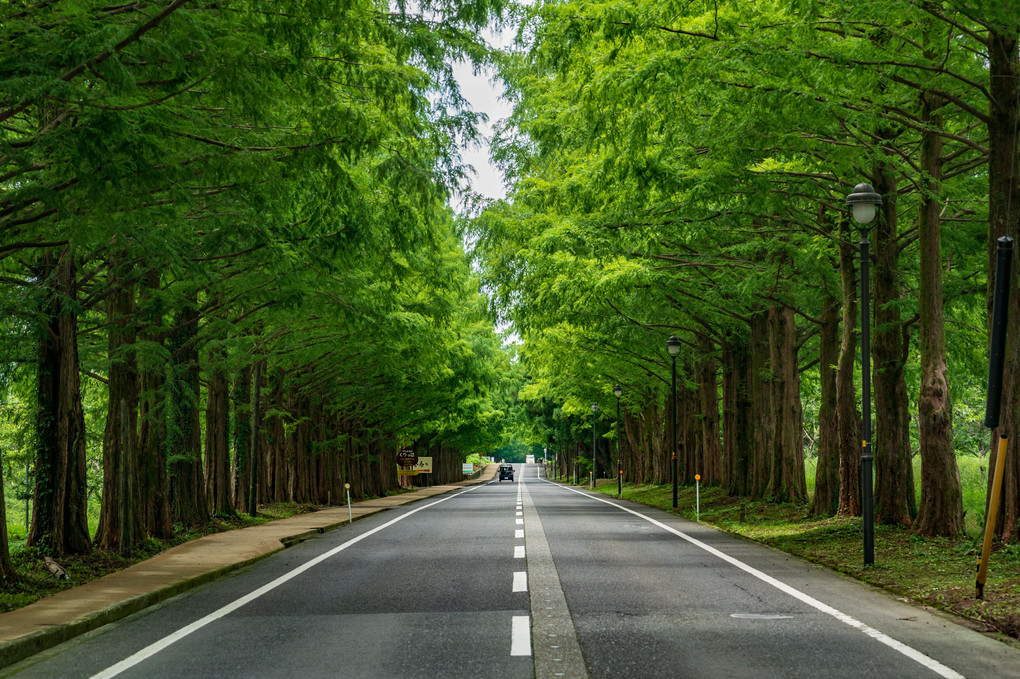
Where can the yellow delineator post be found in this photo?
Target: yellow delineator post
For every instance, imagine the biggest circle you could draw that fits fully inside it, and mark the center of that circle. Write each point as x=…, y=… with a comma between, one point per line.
x=993, y=512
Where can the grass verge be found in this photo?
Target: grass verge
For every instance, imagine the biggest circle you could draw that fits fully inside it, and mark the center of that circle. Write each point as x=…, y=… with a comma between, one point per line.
x=938, y=572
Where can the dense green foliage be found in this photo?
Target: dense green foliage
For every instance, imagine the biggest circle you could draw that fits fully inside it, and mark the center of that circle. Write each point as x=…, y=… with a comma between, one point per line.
x=236, y=193
x=681, y=168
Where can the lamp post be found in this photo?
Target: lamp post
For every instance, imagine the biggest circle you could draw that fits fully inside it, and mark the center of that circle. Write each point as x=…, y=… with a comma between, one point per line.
x=618, y=392
x=673, y=347
x=863, y=203
x=594, y=441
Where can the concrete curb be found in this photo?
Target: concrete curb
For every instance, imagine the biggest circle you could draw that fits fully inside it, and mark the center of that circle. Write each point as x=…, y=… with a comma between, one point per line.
x=21, y=647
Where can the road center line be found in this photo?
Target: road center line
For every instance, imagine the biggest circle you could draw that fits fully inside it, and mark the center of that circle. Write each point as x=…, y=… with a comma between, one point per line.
x=908, y=651
x=167, y=641
x=557, y=651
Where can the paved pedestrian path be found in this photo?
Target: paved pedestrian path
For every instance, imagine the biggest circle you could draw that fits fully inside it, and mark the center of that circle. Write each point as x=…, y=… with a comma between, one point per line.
x=63, y=616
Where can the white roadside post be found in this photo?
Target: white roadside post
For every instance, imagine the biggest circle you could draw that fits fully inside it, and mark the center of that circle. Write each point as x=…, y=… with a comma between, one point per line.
x=350, y=516
x=697, y=497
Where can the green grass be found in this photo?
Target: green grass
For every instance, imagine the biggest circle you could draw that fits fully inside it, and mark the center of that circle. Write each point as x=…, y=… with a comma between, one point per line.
x=974, y=482
x=935, y=571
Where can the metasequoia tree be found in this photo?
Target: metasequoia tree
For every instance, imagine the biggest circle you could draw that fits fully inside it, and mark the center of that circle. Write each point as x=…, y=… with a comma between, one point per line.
x=59, y=520
x=188, y=191
x=121, y=521
x=631, y=188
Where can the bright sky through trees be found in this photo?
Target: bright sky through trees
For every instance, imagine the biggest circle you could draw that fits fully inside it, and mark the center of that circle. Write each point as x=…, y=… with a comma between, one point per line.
x=483, y=91
x=484, y=94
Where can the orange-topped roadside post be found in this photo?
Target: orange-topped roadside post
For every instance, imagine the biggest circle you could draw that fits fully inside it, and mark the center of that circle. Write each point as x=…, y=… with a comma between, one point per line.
x=697, y=497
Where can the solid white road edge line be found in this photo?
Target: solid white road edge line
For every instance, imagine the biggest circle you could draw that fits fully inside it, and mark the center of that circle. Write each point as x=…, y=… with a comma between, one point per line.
x=156, y=647
x=520, y=635
x=912, y=653
x=520, y=581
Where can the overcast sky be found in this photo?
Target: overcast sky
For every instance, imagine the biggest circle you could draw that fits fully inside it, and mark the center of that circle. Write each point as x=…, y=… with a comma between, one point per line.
x=483, y=93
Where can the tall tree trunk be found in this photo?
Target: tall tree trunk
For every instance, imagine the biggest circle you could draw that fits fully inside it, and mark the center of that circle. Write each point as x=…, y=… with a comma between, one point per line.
x=848, y=417
x=634, y=460
x=656, y=423
x=276, y=460
x=1004, y=220
x=688, y=431
x=894, y=474
x=760, y=390
x=120, y=520
x=787, y=482
x=941, y=510
x=708, y=393
x=737, y=435
x=826, y=498
x=153, y=486
x=274, y=476
x=184, y=440
x=60, y=519
x=255, y=451
x=217, y=428
x=241, y=399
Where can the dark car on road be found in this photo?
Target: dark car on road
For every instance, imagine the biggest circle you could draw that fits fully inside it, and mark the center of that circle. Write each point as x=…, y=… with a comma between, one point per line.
x=506, y=471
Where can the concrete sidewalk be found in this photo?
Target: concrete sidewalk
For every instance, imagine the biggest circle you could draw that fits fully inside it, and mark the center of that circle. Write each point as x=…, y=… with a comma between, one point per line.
x=67, y=614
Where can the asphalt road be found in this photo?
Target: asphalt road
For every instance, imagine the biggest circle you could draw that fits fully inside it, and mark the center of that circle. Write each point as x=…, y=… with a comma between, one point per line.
x=529, y=579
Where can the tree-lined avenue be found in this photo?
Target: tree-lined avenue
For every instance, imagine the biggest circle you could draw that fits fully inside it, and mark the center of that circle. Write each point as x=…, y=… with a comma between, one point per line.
x=432, y=590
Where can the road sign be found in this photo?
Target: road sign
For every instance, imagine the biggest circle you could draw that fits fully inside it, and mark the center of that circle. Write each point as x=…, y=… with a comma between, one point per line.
x=423, y=465
x=406, y=457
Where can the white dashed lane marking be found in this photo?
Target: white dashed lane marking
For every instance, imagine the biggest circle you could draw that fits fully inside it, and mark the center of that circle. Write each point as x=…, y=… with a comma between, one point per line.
x=520, y=581
x=520, y=635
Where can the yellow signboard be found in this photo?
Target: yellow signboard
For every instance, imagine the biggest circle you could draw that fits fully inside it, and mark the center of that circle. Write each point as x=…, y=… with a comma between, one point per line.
x=422, y=466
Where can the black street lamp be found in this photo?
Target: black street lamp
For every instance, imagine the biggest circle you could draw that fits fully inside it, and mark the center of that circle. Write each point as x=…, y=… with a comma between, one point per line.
x=594, y=448
x=864, y=203
x=673, y=347
x=618, y=392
